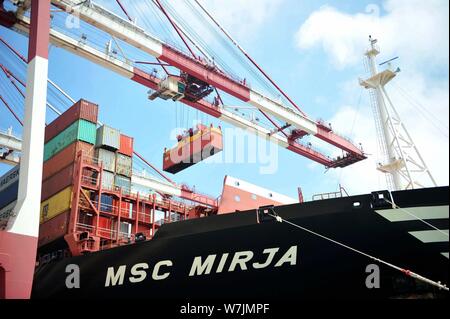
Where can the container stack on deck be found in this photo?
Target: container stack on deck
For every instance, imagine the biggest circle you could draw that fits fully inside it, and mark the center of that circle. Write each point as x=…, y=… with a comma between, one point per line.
x=74, y=131
x=114, y=150
x=82, y=164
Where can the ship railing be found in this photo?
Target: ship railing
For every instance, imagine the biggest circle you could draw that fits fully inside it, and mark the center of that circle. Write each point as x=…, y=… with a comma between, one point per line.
x=107, y=233
x=125, y=238
x=124, y=190
x=85, y=228
x=130, y=212
x=110, y=188
x=127, y=213
x=88, y=159
x=88, y=180
x=324, y=196
x=106, y=208
x=103, y=232
x=173, y=204
x=146, y=218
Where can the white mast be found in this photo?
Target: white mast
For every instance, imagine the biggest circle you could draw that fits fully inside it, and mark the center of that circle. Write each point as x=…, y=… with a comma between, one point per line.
x=400, y=159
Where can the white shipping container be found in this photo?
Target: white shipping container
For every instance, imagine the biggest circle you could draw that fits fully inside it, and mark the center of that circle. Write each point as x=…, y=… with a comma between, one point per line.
x=108, y=180
x=106, y=157
x=124, y=183
x=108, y=137
x=124, y=165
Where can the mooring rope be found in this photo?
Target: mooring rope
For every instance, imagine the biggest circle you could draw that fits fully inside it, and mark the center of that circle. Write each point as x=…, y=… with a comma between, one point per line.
x=404, y=271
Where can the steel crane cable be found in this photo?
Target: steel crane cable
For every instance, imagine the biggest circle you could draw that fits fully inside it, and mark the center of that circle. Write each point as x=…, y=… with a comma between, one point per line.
x=421, y=106
x=224, y=43
x=142, y=14
x=427, y=115
x=230, y=49
x=199, y=39
x=407, y=272
x=13, y=63
x=352, y=130
x=430, y=117
x=245, y=63
x=20, y=73
x=187, y=27
x=15, y=101
x=12, y=93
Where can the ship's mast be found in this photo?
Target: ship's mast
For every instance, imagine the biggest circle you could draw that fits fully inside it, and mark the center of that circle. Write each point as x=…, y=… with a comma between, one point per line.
x=399, y=158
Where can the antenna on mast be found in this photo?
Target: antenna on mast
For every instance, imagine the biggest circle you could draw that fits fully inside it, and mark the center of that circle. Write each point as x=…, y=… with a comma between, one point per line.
x=400, y=159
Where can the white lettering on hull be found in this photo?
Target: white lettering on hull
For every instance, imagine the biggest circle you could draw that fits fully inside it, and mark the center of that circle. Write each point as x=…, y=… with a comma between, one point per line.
x=203, y=266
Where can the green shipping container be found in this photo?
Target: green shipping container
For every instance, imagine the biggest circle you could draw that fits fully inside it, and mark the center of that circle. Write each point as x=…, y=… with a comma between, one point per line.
x=81, y=130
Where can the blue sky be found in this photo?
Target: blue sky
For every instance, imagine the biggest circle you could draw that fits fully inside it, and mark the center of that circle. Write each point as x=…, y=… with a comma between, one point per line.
x=314, y=51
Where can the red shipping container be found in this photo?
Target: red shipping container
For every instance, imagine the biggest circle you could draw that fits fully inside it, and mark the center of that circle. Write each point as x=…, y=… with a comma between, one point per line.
x=81, y=110
x=65, y=158
x=105, y=225
x=57, y=182
x=53, y=229
x=126, y=145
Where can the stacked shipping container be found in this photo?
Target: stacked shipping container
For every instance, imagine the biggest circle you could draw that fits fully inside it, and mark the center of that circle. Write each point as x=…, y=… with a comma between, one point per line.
x=121, y=214
x=65, y=137
x=124, y=162
x=114, y=151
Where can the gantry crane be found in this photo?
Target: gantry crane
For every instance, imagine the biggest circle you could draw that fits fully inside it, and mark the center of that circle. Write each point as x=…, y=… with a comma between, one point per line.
x=201, y=72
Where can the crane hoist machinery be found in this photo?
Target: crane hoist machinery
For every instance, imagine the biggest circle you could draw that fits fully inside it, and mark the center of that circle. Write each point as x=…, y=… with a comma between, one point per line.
x=170, y=88
x=181, y=87
x=193, y=147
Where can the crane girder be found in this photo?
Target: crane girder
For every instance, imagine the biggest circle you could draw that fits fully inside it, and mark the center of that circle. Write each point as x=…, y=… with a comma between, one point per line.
x=137, y=37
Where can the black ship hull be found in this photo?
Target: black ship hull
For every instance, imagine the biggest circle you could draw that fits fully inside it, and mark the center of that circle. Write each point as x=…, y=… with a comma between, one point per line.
x=233, y=256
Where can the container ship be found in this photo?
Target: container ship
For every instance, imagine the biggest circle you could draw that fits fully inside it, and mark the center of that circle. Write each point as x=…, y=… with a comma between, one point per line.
x=109, y=230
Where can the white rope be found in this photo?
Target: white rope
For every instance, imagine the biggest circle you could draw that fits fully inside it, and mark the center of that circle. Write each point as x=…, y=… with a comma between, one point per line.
x=417, y=217
x=405, y=271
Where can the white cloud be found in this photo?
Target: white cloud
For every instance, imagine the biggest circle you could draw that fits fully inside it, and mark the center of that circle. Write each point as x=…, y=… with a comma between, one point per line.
x=243, y=18
x=415, y=30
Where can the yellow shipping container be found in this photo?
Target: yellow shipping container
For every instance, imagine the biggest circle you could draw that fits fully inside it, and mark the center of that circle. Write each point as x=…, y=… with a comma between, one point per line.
x=56, y=204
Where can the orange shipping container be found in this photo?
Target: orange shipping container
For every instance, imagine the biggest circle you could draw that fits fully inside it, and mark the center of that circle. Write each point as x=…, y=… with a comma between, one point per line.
x=53, y=229
x=81, y=110
x=190, y=150
x=65, y=158
x=57, y=182
x=126, y=145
